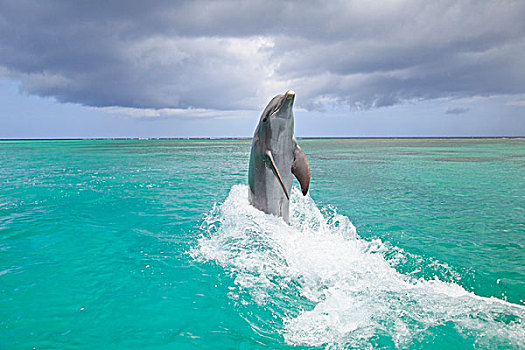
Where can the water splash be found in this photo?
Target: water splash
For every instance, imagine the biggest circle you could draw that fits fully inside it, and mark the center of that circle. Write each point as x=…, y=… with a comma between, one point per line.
x=323, y=285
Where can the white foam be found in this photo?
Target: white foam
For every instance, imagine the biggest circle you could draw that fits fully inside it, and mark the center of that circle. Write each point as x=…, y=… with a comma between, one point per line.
x=327, y=286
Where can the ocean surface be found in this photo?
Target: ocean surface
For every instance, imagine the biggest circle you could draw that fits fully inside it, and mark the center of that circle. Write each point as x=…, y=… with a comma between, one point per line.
x=151, y=244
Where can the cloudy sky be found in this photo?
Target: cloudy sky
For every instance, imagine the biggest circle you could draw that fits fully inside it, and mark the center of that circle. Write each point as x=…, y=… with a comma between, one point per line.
x=208, y=68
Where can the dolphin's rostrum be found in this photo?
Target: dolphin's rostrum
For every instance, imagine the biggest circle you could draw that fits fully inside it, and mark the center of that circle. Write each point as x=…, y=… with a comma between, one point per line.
x=275, y=157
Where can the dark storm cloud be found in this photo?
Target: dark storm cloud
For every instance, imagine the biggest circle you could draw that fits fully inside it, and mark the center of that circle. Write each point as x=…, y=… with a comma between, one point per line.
x=235, y=54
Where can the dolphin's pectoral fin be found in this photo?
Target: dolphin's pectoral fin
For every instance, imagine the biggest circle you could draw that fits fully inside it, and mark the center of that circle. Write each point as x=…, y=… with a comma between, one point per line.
x=276, y=172
x=301, y=169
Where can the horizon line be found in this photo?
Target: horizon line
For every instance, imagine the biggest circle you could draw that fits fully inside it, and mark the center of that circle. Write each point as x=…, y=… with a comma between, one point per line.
x=249, y=138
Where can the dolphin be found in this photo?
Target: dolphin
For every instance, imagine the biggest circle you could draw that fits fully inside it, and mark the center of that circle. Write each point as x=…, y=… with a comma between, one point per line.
x=275, y=156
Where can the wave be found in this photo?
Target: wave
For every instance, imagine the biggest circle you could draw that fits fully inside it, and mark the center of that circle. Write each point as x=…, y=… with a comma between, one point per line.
x=315, y=282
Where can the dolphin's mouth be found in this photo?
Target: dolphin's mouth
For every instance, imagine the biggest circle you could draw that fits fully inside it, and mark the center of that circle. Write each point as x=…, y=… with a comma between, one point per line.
x=287, y=100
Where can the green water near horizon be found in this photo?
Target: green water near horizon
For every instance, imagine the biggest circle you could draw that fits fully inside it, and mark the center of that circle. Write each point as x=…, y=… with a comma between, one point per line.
x=101, y=245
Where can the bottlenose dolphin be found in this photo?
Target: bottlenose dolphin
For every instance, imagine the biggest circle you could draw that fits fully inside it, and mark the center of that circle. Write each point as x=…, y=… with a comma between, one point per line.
x=275, y=156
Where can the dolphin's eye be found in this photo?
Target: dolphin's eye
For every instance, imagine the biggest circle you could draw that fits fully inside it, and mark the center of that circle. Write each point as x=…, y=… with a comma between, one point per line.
x=267, y=116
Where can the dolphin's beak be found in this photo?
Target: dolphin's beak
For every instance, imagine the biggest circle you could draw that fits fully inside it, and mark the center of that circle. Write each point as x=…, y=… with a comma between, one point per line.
x=285, y=105
x=287, y=102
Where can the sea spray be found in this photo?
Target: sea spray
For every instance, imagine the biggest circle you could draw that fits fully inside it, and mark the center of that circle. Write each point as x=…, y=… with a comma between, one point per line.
x=323, y=285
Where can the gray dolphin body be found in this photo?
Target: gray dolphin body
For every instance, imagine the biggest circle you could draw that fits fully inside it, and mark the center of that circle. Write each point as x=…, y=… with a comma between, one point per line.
x=275, y=156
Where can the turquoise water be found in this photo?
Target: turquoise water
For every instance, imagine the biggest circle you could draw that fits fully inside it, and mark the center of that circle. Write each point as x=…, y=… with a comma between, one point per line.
x=152, y=244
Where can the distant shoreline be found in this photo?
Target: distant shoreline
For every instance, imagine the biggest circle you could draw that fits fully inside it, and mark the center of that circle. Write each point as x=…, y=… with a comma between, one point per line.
x=249, y=138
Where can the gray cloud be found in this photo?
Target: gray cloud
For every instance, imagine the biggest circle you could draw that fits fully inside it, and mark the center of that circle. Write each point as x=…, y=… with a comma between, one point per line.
x=458, y=110
x=233, y=55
